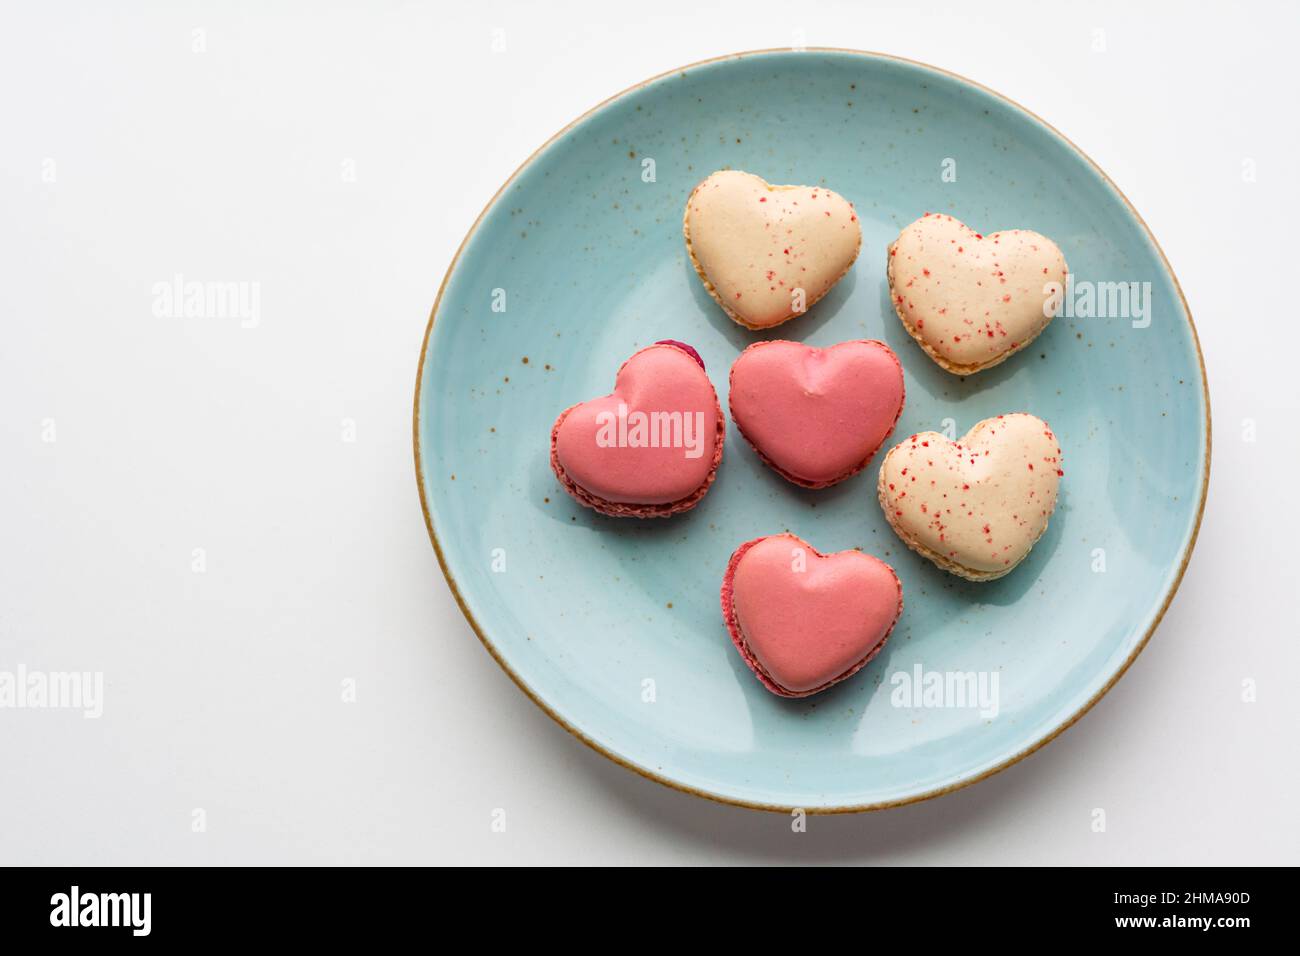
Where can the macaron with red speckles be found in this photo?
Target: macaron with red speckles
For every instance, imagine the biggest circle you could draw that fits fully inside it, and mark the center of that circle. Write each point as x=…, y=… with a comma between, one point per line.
x=649, y=449
x=972, y=301
x=766, y=253
x=976, y=506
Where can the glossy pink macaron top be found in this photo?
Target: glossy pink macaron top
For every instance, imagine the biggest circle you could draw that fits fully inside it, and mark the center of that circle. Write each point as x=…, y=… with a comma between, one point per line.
x=803, y=620
x=817, y=415
x=654, y=441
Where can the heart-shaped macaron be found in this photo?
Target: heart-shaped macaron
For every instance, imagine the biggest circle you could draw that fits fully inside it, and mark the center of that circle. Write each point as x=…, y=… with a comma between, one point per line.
x=803, y=620
x=971, y=301
x=974, y=507
x=767, y=253
x=651, y=447
x=816, y=416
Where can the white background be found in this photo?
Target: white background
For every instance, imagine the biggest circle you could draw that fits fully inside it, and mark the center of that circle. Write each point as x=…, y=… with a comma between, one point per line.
x=223, y=688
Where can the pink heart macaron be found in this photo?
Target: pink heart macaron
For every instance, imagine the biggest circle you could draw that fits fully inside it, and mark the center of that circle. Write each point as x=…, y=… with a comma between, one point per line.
x=651, y=447
x=972, y=301
x=976, y=506
x=803, y=620
x=816, y=416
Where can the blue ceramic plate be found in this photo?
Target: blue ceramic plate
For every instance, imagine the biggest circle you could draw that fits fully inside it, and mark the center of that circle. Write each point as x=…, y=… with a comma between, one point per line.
x=613, y=626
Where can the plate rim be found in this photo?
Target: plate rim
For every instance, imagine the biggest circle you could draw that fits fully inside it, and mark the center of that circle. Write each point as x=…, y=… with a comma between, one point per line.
x=758, y=805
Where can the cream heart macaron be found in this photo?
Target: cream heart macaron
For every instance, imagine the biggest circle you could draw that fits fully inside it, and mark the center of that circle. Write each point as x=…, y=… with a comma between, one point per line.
x=650, y=448
x=971, y=301
x=816, y=416
x=767, y=253
x=803, y=620
x=976, y=506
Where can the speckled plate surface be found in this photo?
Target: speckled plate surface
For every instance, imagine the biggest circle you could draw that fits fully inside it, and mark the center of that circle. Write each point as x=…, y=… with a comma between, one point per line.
x=613, y=626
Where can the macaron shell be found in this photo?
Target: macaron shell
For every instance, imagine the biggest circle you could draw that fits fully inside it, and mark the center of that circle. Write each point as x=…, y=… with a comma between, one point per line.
x=662, y=378
x=801, y=631
x=972, y=301
x=976, y=506
x=753, y=244
x=817, y=416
